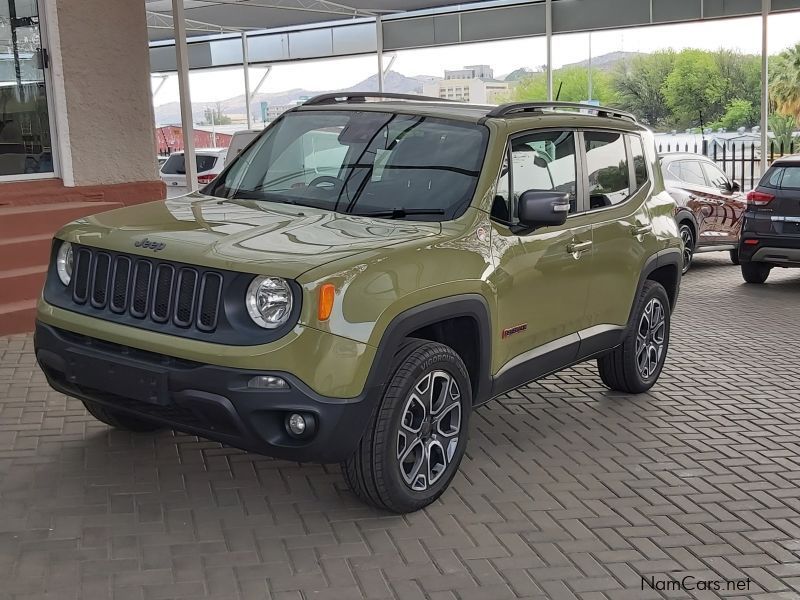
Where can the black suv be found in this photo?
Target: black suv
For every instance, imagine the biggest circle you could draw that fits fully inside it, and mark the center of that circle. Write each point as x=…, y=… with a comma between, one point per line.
x=771, y=230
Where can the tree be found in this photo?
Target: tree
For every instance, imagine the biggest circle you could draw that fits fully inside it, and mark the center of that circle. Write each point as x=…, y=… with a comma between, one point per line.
x=782, y=127
x=638, y=84
x=695, y=87
x=574, y=83
x=784, y=85
x=739, y=113
x=215, y=116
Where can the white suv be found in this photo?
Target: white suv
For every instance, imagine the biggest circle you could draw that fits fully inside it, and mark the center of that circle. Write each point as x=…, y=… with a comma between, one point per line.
x=210, y=163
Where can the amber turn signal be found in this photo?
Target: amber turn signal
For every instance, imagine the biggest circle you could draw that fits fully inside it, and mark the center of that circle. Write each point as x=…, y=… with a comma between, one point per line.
x=325, y=301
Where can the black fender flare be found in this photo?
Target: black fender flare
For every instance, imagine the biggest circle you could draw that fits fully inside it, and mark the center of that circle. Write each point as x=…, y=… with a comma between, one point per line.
x=664, y=258
x=473, y=306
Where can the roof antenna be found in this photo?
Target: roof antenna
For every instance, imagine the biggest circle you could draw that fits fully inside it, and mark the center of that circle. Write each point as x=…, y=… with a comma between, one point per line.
x=560, y=85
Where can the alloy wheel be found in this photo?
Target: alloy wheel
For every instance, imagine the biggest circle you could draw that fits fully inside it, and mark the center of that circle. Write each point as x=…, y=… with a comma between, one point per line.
x=430, y=425
x=651, y=338
x=688, y=246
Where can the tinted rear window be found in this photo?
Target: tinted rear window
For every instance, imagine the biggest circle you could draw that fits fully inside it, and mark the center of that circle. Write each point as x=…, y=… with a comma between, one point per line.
x=782, y=178
x=177, y=166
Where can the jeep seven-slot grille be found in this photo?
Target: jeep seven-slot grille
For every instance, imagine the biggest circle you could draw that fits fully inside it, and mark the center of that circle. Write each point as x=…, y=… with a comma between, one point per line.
x=155, y=290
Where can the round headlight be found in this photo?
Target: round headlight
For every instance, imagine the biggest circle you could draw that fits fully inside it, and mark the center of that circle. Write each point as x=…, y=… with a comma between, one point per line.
x=269, y=301
x=64, y=263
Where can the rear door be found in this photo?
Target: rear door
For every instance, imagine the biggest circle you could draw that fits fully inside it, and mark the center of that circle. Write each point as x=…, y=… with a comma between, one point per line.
x=619, y=184
x=729, y=206
x=701, y=200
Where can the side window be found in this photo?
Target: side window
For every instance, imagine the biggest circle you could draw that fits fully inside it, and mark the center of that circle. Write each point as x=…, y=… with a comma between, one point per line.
x=607, y=167
x=692, y=172
x=639, y=161
x=545, y=161
x=715, y=175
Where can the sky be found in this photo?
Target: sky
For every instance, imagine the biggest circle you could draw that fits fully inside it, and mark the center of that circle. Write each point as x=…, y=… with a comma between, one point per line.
x=743, y=34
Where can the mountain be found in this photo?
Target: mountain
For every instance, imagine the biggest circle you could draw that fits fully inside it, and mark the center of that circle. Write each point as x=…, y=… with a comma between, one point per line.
x=394, y=82
x=606, y=62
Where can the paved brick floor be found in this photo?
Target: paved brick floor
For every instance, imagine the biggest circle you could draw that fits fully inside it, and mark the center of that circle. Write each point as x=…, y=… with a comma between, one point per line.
x=568, y=490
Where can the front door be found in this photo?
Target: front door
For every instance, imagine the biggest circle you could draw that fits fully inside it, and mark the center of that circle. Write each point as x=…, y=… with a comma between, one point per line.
x=542, y=276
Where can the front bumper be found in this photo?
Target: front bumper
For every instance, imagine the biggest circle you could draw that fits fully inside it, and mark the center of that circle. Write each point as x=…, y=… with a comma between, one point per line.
x=206, y=400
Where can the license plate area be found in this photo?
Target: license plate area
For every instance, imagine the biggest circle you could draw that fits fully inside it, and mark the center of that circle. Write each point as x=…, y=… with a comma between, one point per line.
x=137, y=382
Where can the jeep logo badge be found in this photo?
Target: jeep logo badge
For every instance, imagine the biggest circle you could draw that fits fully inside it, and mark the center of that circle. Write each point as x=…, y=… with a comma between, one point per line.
x=154, y=246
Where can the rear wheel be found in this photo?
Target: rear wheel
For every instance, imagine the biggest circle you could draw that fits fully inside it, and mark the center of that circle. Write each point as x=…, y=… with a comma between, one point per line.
x=418, y=433
x=687, y=236
x=755, y=272
x=118, y=420
x=635, y=366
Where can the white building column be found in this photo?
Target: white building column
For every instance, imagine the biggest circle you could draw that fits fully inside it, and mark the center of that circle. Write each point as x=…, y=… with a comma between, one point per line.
x=379, y=47
x=766, y=5
x=548, y=32
x=246, y=67
x=187, y=120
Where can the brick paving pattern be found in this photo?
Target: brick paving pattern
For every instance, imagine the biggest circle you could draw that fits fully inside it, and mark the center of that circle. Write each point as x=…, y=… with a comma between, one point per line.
x=568, y=491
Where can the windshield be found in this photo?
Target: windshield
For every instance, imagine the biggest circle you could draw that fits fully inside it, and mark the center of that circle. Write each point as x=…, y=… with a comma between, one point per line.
x=367, y=163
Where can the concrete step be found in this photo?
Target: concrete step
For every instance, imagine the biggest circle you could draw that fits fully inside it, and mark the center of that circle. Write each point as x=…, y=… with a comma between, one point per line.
x=21, y=284
x=38, y=219
x=27, y=251
x=17, y=317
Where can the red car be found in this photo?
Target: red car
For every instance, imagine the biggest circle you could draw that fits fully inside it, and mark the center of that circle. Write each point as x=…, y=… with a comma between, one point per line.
x=710, y=205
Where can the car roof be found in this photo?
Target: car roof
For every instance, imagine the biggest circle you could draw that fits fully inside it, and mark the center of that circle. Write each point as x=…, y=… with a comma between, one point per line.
x=785, y=161
x=546, y=112
x=673, y=156
x=205, y=151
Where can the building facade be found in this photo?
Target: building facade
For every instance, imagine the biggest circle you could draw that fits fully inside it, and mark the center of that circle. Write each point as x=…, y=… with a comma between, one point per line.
x=474, y=84
x=76, y=130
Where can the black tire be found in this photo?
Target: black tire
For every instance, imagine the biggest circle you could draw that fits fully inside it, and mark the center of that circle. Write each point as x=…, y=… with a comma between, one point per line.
x=689, y=242
x=734, y=256
x=755, y=272
x=622, y=368
x=375, y=471
x=119, y=420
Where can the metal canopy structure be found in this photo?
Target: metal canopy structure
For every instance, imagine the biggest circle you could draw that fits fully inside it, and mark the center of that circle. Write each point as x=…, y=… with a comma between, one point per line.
x=241, y=33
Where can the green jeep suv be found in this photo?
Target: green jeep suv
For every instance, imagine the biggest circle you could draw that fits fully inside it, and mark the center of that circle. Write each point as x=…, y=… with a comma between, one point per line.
x=367, y=272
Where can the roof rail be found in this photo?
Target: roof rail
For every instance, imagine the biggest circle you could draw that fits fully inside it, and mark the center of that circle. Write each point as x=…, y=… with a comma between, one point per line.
x=512, y=108
x=335, y=97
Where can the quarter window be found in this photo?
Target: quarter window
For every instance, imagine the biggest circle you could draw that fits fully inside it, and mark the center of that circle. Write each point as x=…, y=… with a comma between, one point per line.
x=607, y=167
x=639, y=161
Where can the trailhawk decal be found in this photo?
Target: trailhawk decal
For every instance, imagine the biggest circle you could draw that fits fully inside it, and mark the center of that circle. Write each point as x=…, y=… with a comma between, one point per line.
x=516, y=329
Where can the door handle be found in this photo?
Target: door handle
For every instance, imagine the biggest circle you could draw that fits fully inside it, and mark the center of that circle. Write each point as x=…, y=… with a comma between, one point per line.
x=579, y=247
x=641, y=229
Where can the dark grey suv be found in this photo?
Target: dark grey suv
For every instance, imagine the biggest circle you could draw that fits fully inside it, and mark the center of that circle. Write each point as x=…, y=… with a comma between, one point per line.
x=771, y=230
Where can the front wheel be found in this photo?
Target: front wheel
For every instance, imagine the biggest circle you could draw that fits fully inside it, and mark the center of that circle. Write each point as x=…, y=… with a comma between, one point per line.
x=735, y=256
x=755, y=272
x=418, y=433
x=635, y=366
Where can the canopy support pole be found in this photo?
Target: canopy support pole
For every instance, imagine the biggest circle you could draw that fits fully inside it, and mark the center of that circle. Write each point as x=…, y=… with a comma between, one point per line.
x=187, y=120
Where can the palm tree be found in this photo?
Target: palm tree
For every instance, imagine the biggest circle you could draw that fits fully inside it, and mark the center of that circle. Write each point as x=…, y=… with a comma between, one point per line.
x=784, y=86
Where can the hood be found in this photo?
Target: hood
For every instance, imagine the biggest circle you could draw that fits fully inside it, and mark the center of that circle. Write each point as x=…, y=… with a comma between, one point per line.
x=241, y=235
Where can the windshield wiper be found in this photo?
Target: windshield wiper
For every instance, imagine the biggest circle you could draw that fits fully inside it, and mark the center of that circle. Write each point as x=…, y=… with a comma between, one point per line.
x=401, y=213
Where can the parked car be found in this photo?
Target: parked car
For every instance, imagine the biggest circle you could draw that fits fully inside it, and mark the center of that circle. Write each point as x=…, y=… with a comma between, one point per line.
x=710, y=205
x=364, y=275
x=771, y=232
x=210, y=163
x=161, y=160
x=239, y=142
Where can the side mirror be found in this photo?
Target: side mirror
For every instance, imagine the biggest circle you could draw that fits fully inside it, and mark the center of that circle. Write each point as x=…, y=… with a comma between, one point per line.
x=735, y=187
x=542, y=209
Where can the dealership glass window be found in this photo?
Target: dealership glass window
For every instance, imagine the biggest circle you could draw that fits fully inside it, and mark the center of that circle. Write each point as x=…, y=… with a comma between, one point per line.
x=25, y=141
